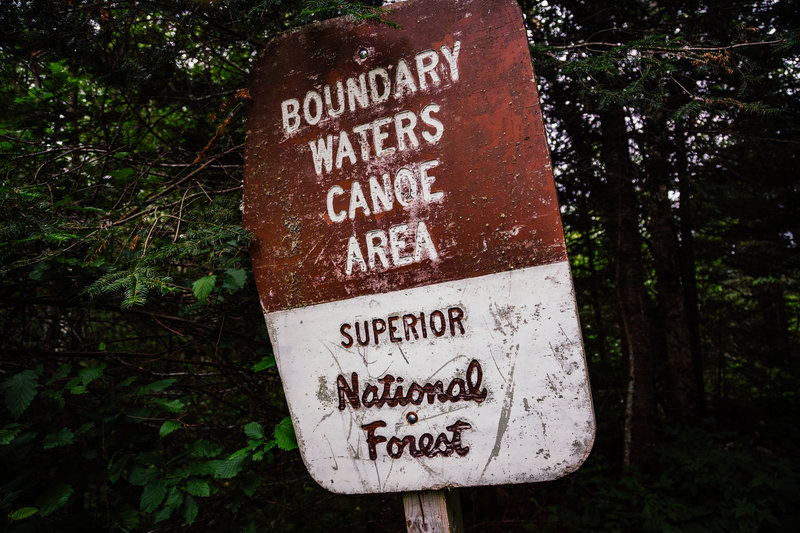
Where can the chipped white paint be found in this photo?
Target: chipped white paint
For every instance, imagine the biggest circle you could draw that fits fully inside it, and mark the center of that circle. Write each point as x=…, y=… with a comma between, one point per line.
x=535, y=423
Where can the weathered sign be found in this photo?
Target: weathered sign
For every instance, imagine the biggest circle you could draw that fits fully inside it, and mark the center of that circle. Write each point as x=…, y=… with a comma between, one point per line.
x=409, y=253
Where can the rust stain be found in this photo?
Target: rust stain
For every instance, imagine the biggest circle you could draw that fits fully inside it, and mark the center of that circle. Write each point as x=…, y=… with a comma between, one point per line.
x=450, y=135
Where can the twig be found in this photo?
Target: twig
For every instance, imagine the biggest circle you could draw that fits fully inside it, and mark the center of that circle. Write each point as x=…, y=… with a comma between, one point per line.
x=180, y=214
x=676, y=49
x=693, y=96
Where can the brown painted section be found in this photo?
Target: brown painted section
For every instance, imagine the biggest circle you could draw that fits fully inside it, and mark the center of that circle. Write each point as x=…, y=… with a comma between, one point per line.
x=499, y=209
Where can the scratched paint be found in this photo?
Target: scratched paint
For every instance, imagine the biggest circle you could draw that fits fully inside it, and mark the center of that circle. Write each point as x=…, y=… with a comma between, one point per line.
x=530, y=415
x=409, y=253
x=423, y=162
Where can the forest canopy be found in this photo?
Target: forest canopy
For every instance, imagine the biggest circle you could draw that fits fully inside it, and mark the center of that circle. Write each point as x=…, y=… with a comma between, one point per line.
x=138, y=384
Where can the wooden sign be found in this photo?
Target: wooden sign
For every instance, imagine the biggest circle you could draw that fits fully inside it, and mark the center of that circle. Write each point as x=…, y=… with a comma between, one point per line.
x=409, y=253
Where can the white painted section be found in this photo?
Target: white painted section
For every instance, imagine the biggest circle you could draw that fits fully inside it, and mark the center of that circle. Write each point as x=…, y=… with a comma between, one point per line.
x=536, y=422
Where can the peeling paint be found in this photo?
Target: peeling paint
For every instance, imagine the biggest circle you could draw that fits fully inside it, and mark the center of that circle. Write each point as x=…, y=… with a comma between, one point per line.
x=531, y=402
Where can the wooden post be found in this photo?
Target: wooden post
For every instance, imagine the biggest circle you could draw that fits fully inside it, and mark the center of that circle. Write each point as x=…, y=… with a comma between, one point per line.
x=433, y=511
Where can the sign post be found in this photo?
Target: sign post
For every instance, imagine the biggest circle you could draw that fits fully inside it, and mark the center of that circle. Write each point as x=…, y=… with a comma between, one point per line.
x=409, y=253
x=433, y=511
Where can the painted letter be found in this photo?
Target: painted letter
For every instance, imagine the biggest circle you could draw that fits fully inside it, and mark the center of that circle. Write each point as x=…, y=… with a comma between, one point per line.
x=344, y=390
x=357, y=92
x=348, y=339
x=354, y=255
x=333, y=215
x=344, y=149
x=426, y=181
x=424, y=68
x=376, y=245
x=363, y=139
x=403, y=79
x=291, y=117
x=405, y=197
x=334, y=112
x=317, y=99
x=382, y=198
x=430, y=121
x=357, y=200
x=424, y=244
x=452, y=59
x=374, y=74
x=407, y=130
x=372, y=438
x=397, y=245
x=378, y=136
x=322, y=153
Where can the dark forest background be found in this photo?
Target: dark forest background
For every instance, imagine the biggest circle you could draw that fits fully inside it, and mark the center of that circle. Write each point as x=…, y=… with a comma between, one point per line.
x=138, y=388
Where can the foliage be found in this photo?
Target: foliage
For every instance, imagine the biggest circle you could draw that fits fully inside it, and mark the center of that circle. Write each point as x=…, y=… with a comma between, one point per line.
x=135, y=360
x=726, y=483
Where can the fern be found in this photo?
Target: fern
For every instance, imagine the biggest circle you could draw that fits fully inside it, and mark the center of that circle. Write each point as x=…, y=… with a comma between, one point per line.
x=136, y=284
x=322, y=9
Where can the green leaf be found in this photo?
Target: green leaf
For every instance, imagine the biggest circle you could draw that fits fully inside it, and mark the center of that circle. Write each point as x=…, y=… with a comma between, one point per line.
x=163, y=514
x=198, y=487
x=168, y=427
x=267, y=362
x=156, y=386
x=190, y=509
x=117, y=466
x=173, y=406
x=64, y=437
x=240, y=452
x=125, y=382
x=254, y=430
x=84, y=428
x=204, y=448
x=87, y=375
x=22, y=513
x=223, y=468
x=60, y=373
x=284, y=435
x=24, y=438
x=20, y=391
x=152, y=495
x=56, y=395
x=250, y=483
x=128, y=518
x=122, y=173
x=61, y=237
x=38, y=271
x=7, y=436
x=203, y=287
x=174, y=498
x=54, y=499
x=142, y=475
x=237, y=277
x=266, y=447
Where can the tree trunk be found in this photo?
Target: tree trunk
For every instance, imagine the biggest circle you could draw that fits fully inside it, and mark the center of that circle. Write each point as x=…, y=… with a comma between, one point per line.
x=683, y=396
x=687, y=262
x=622, y=225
